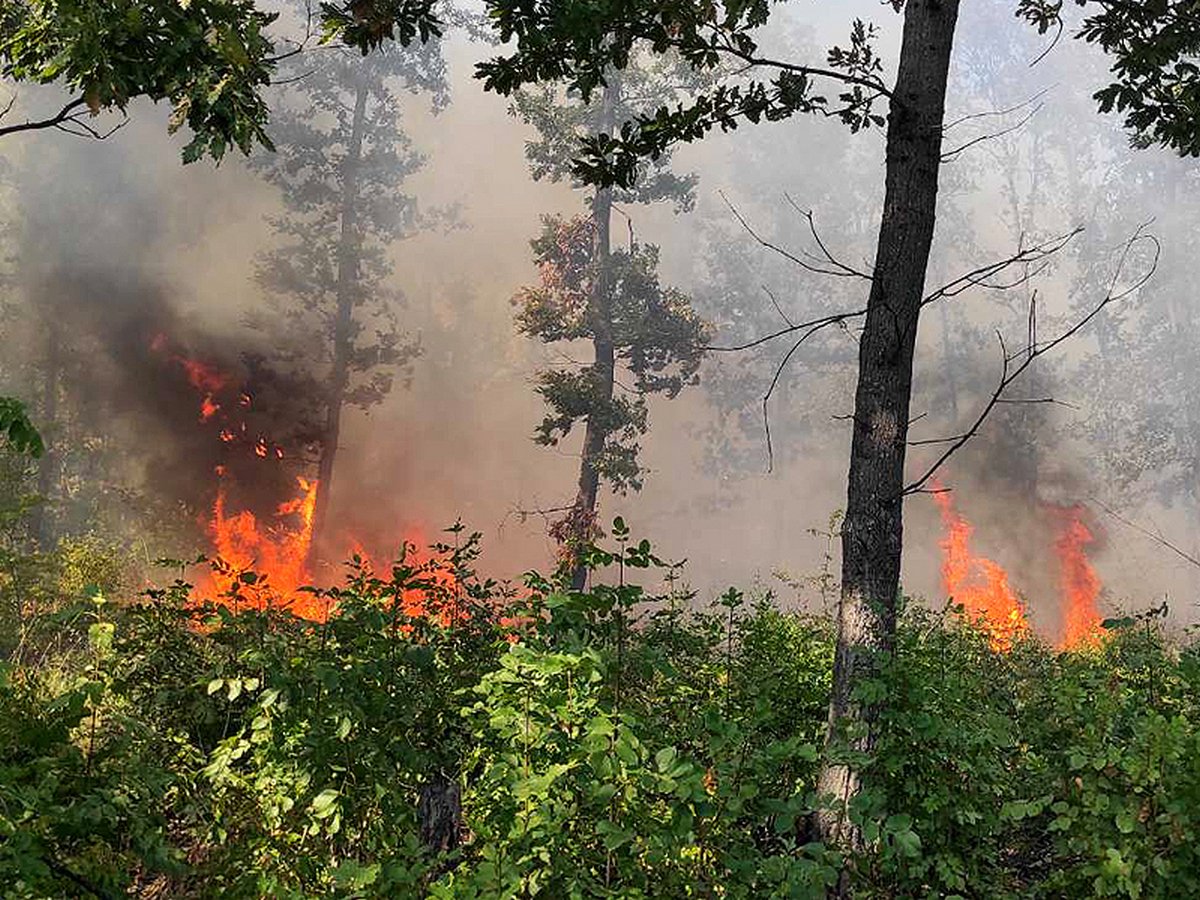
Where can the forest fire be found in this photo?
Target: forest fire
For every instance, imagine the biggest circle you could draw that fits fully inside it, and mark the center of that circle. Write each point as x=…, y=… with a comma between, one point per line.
x=261, y=558
x=982, y=585
x=979, y=584
x=1078, y=581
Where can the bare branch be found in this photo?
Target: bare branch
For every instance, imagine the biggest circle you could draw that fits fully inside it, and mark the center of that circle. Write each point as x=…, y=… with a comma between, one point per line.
x=774, y=382
x=807, y=261
x=952, y=155
x=997, y=113
x=778, y=308
x=1026, y=356
x=68, y=112
x=1153, y=535
x=1037, y=254
x=814, y=324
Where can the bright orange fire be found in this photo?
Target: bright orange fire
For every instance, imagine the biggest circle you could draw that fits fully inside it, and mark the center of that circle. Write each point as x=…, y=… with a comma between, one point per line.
x=979, y=584
x=1078, y=581
x=277, y=552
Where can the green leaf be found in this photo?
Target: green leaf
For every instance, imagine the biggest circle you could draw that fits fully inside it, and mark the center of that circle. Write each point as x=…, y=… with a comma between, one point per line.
x=322, y=805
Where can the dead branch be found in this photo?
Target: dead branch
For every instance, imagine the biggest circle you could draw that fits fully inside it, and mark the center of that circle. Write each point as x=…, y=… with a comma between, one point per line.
x=826, y=264
x=778, y=308
x=952, y=155
x=68, y=113
x=1036, y=257
x=1153, y=535
x=997, y=113
x=1014, y=364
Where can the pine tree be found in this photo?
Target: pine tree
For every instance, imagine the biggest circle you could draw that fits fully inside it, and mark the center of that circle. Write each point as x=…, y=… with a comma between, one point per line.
x=342, y=168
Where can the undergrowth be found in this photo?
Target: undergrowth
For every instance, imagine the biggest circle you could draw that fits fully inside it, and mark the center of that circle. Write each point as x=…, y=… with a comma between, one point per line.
x=559, y=744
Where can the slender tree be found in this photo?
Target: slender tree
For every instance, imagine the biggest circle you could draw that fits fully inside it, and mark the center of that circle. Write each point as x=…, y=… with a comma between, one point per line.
x=610, y=296
x=342, y=166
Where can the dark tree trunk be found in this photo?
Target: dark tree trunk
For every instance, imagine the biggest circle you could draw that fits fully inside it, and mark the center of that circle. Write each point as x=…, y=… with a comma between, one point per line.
x=348, y=260
x=439, y=814
x=583, y=512
x=873, y=529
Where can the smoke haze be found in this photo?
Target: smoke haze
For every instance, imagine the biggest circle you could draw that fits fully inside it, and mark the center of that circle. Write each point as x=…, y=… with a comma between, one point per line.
x=115, y=243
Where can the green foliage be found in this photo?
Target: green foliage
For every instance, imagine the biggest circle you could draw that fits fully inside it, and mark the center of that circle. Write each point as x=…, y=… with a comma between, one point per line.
x=1156, y=77
x=604, y=743
x=579, y=45
x=208, y=58
x=20, y=433
x=655, y=334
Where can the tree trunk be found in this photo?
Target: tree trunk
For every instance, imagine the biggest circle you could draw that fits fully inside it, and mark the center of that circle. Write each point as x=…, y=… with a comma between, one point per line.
x=348, y=259
x=439, y=814
x=873, y=528
x=583, y=512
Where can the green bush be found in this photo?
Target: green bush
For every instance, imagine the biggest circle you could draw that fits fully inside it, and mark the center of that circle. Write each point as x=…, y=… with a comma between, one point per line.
x=598, y=744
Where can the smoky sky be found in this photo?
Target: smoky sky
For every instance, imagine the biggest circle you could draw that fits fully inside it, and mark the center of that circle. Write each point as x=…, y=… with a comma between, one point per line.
x=121, y=244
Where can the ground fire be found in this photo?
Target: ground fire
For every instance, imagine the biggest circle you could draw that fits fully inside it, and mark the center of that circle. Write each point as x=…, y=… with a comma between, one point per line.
x=982, y=585
x=262, y=550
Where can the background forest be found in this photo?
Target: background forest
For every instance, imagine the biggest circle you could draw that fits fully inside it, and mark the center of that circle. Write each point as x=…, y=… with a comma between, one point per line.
x=317, y=452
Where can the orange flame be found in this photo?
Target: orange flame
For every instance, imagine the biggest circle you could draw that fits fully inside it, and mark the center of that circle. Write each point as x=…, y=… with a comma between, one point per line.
x=262, y=564
x=278, y=554
x=1078, y=581
x=979, y=584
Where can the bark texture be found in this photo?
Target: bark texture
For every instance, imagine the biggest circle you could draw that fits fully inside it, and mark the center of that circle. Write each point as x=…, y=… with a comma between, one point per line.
x=873, y=528
x=583, y=512
x=348, y=261
x=439, y=814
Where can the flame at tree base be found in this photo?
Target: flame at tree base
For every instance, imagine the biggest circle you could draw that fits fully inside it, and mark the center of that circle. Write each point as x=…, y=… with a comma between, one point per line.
x=278, y=555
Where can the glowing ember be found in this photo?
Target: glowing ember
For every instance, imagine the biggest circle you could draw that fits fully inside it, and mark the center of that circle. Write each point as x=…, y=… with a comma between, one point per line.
x=208, y=408
x=979, y=584
x=1078, y=581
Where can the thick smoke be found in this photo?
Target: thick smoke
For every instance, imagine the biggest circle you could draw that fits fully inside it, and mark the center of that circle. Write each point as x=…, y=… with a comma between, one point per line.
x=125, y=245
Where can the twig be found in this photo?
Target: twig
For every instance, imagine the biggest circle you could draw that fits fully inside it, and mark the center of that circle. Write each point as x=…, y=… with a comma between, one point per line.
x=952, y=155
x=1038, y=253
x=807, y=261
x=64, y=114
x=996, y=113
x=1026, y=356
x=1157, y=538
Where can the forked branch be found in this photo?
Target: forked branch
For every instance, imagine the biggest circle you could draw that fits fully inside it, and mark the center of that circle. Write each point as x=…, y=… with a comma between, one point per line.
x=1015, y=363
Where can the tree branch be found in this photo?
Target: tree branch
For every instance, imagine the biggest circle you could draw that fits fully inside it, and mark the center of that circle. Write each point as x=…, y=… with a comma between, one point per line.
x=67, y=113
x=807, y=261
x=1026, y=356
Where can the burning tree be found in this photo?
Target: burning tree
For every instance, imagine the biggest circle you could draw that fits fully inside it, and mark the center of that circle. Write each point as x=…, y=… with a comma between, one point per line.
x=342, y=165
x=612, y=297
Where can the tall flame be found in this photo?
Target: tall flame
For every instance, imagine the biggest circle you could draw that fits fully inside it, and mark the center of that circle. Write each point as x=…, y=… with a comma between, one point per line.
x=1078, y=581
x=278, y=552
x=979, y=584
x=259, y=562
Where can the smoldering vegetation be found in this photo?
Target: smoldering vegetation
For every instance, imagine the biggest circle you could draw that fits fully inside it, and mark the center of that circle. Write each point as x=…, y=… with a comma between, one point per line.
x=111, y=245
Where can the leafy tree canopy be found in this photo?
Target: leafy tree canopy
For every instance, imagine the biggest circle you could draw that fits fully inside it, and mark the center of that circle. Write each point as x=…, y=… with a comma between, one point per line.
x=1155, y=46
x=656, y=335
x=208, y=58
